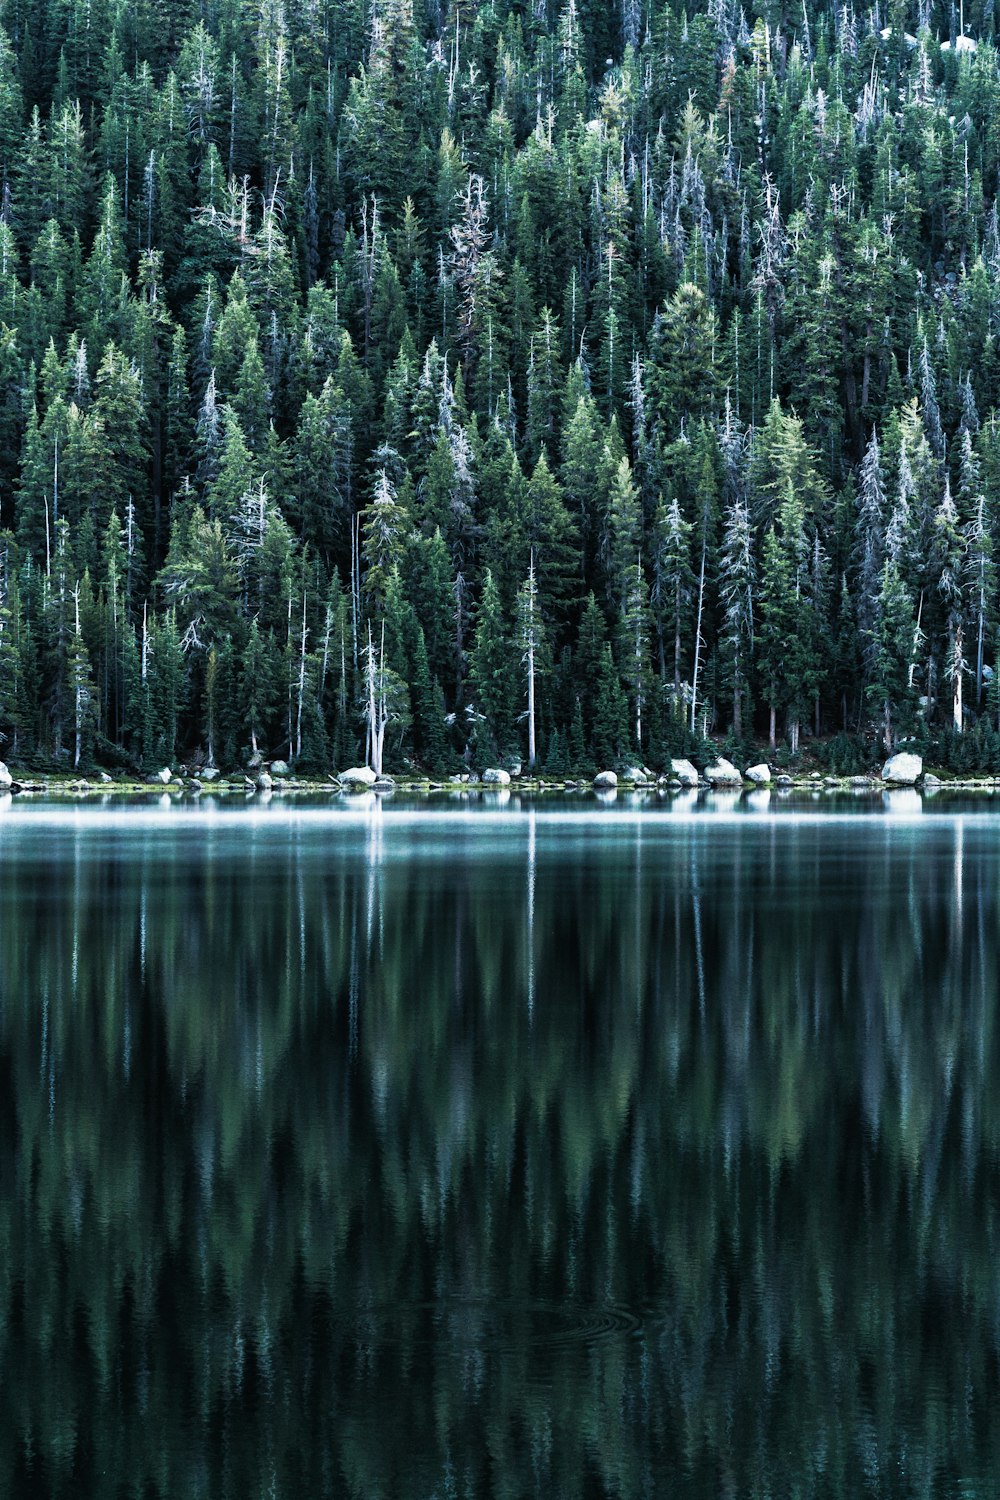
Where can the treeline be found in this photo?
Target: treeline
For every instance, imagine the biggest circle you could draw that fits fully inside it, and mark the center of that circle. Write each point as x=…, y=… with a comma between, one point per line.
x=564, y=382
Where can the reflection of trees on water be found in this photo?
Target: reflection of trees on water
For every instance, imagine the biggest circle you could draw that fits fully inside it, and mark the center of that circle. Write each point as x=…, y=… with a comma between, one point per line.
x=281, y=1129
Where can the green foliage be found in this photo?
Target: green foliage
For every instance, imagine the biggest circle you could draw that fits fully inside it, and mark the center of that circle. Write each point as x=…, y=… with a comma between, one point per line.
x=703, y=325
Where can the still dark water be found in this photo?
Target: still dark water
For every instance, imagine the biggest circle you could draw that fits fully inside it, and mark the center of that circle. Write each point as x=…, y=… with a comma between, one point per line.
x=387, y=1153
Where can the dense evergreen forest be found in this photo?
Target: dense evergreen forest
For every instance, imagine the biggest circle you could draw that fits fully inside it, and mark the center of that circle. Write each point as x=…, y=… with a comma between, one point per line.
x=554, y=382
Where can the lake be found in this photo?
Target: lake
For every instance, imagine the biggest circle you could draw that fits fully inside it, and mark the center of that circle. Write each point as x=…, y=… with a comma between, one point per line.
x=368, y=1150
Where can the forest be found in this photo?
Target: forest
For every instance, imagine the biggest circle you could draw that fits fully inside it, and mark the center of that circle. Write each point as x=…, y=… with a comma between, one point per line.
x=544, y=384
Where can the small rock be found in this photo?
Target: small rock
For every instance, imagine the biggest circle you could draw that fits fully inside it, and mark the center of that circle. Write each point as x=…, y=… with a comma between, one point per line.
x=495, y=777
x=903, y=769
x=860, y=783
x=264, y=782
x=783, y=781
x=684, y=772
x=210, y=773
x=279, y=768
x=759, y=775
x=930, y=779
x=166, y=776
x=194, y=785
x=383, y=784
x=723, y=773
x=605, y=781
x=358, y=779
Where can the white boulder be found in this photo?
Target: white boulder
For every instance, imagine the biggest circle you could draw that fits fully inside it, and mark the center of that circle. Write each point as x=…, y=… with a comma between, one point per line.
x=723, y=773
x=264, y=782
x=495, y=777
x=684, y=772
x=358, y=778
x=279, y=768
x=605, y=781
x=903, y=769
x=166, y=776
x=759, y=775
x=6, y=779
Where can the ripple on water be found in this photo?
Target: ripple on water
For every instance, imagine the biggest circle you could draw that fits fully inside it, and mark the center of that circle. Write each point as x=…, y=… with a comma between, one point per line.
x=487, y=1325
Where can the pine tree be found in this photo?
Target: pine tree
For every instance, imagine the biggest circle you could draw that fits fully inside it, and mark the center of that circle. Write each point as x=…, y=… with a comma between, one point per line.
x=673, y=586
x=383, y=527
x=737, y=585
x=894, y=633
x=491, y=673
x=531, y=641
x=80, y=685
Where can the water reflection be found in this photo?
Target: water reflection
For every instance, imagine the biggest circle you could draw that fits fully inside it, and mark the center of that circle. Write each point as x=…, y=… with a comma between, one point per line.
x=530, y=1156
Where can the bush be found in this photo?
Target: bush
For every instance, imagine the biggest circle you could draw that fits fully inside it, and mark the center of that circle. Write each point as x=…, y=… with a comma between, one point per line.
x=847, y=754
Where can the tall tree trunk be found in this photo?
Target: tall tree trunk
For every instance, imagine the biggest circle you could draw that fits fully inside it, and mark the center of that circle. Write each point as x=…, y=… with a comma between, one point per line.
x=302, y=681
x=531, y=707
x=697, y=628
x=916, y=638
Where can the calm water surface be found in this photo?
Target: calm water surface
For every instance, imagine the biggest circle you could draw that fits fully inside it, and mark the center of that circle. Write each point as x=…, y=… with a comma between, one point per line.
x=399, y=1153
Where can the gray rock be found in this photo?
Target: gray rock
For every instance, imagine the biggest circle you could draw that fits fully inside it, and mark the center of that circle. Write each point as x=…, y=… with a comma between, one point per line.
x=358, y=779
x=384, y=784
x=931, y=780
x=783, y=781
x=210, y=773
x=6, y=779
x=495, y=777
x=860, y=783
x=903, y=769
x=279, y=768
x=684, y=772
x=605, y=781
x=264, y=782
x=759, y=775
x=723, y=773
x=104, y=778
x=166, y=776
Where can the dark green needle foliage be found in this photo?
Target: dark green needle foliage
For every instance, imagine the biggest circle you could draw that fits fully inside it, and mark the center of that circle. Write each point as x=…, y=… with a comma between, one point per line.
x=697, y=308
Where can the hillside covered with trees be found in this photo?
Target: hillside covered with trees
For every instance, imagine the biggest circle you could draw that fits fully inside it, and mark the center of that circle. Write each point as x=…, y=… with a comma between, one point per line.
x=564, y=382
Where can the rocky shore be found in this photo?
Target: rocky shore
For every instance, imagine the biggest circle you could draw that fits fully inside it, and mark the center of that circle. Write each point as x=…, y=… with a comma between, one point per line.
x=900, y=771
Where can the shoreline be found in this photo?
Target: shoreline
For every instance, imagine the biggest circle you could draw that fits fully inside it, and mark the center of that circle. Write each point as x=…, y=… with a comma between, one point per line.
x=190, y=788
